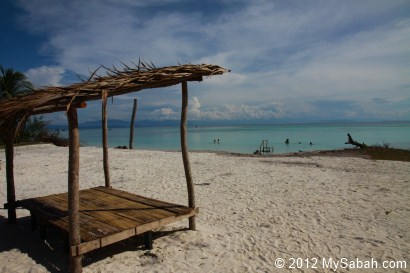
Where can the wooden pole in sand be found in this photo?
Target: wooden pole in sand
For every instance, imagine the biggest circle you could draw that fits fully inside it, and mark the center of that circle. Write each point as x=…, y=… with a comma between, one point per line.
x=73, y=189
x=11, y=193
x=105, y=140
x=134, y=111
x=185, y=156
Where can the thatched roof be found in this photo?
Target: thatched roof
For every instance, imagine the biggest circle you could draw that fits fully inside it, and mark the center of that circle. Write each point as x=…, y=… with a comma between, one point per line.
x=116, y=82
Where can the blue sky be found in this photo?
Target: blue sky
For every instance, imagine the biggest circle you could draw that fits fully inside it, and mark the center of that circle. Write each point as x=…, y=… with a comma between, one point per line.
x=290, y=60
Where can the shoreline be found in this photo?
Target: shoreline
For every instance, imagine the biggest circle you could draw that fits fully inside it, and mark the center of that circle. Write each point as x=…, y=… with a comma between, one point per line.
x=247, y=139
x=367, y=153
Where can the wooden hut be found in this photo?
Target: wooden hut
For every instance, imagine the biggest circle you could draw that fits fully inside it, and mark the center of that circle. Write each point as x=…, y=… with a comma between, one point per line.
x=74, y=211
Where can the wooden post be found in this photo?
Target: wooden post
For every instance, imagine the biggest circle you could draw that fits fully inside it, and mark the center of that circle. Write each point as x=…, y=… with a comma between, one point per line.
x=73, y=188
x=134, y=111
x=185, y=156
x=11, y=193
x=105, y=140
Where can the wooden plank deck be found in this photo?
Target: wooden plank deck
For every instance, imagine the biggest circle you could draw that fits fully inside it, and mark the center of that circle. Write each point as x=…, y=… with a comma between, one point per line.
x=107, y=215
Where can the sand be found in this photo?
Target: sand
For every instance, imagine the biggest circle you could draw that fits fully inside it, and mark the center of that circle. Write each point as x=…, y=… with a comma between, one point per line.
x=253, y=210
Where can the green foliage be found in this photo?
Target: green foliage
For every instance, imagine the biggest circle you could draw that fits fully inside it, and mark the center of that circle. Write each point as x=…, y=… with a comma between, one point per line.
x=13, y=83
x=34, y=129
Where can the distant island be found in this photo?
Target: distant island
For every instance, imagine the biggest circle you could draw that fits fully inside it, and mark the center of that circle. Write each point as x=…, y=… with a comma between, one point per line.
x=116, y=123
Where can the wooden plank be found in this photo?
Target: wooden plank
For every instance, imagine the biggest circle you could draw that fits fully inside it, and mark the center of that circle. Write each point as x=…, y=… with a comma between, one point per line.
x=125, y=234
x=142, y=212
x=90, y=224
x=102, y=212
x=104, y=241
x=102, y=202
x=33, y=204
x=107, y=216
x=141, y=199
x=90, y=228
x=162, y=222
x=176, y=209
x=113, y=219
x=59, y=201
x=92, y=245
x=85, y=247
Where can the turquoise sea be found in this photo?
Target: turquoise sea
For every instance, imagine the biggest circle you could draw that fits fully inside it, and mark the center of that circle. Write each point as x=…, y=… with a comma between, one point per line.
x=247, y=139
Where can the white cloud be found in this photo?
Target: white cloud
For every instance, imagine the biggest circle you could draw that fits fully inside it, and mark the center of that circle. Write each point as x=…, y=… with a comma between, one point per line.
x=283, y=54
x=45, y=75
x=163, y=114
x=234, y=112
x=252, y=111
x=195, y=107
x=365, y=64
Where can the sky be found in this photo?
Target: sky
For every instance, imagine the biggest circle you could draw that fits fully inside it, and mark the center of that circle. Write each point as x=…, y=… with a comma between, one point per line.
x=298, y=61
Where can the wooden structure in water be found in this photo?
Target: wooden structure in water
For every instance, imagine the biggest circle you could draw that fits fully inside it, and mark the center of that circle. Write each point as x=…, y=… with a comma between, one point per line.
x=74, y=211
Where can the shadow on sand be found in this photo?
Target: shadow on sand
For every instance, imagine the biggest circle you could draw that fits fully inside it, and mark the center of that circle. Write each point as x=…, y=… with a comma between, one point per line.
x=50, y=252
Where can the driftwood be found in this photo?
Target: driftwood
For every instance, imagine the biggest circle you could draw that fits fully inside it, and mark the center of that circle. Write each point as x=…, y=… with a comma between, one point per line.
x=351, y=141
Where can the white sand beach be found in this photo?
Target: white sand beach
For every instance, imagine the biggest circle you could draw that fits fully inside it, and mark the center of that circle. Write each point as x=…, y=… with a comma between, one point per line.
x=253, y=210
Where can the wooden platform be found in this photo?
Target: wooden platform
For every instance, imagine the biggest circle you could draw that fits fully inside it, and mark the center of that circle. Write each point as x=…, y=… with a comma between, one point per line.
x=106, y=215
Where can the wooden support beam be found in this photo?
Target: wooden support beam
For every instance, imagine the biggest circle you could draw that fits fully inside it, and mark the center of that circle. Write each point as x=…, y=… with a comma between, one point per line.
x=73, y=188
x=33, y=220
x=105, y=140
x=11, y=192
x=89, y=246
x=148, y=240
x=132, y=125
x=56, y=108
x=185, y=156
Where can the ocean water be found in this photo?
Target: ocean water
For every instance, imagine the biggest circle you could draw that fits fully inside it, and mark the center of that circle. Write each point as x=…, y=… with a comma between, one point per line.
x=247, y=139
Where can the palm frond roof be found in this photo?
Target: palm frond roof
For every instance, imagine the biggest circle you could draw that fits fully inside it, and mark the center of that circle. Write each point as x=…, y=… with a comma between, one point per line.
x=115, y=82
